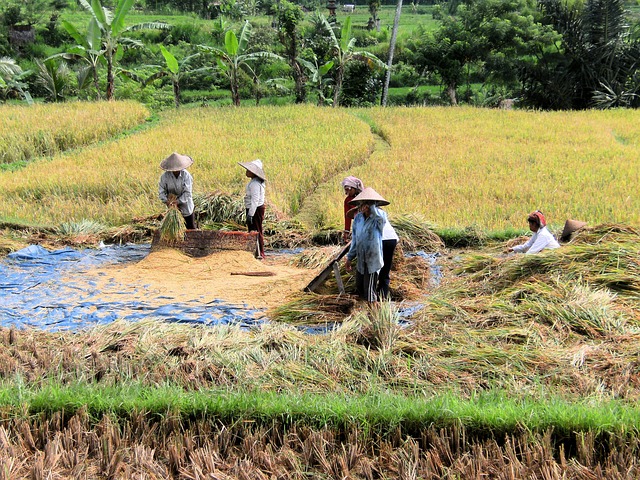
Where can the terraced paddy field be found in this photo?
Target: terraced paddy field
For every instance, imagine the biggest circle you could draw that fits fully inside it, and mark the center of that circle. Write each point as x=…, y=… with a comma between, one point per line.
x=505, y=367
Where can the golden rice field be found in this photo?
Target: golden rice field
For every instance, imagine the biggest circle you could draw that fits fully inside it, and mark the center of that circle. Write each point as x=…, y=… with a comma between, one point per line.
x=46, y=129
x=115, y=182
x=462, y=167
x=456, y=167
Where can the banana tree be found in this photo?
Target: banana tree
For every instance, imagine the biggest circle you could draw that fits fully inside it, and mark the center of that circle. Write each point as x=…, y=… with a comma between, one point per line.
x=318, y=78
x=111, y=29
x=89, y=50
x=344, y=52
x=234, y=58
x=176, y=70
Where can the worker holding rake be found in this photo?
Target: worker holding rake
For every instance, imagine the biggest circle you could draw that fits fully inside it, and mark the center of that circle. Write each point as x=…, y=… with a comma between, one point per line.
x=176, y=186
x=366, y=242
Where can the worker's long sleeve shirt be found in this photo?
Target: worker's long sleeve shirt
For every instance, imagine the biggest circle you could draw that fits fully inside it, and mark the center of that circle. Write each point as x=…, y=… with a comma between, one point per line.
x=181, y=186
x=539, y=241
x=366, y=240
x=254, y=195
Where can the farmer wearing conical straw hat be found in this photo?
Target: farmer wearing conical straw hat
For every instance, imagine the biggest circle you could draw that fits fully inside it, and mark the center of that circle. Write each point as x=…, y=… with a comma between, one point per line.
x=541, y=238
x=254, y=201
x=176, y=186
x=366, y=242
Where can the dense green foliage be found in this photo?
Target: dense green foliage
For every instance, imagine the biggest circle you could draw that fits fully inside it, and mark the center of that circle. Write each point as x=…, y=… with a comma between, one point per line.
x=542, y=53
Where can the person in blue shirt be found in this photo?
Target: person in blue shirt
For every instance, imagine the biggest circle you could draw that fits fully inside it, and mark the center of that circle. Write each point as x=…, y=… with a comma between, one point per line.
x=366, y=242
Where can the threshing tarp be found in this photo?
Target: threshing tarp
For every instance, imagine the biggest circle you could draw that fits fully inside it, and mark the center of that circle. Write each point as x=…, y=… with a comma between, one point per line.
x=45, y=289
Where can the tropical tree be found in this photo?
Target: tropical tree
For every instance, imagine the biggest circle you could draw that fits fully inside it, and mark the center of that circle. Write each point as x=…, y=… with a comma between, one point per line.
x=318, y=78
x=176, y=70
x=235, y=58
x=55, y=78
x=595, y=62
x=344, y=52
x=289, y=17
x=89, y=50
x=392, y=49
x=111, y=27
x=11, y=76
x=495, y=39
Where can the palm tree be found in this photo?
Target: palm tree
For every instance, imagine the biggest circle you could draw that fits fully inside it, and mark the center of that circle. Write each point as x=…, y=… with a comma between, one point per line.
x=111, y=29
x=233, y=58
x=11, y=75
x=392, y=48
x=344, y=52
x=55, y=78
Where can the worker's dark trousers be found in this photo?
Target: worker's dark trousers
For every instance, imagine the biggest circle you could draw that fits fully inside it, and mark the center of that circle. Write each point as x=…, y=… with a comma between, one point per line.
x=366, y=284
x=189, y=222
x=384, y=277
x=256, y=226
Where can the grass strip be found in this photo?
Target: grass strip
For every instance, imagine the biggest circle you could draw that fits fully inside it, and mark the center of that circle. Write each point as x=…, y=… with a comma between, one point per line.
x=490, y=412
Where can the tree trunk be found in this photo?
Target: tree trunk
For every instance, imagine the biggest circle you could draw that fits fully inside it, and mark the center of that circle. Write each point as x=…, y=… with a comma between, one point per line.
x=96, y=83
x=336, y=94
x=392, y=47
x=235, y=94
x=176, y=93
x=298, y=76
x=451, y=91
x=110, y=81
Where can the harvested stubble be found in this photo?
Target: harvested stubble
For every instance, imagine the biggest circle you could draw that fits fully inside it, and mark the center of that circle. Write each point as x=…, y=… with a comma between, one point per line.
x=164, y=446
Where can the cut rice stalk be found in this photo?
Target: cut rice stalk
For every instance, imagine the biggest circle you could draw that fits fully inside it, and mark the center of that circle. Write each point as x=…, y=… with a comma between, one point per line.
x=173, y=227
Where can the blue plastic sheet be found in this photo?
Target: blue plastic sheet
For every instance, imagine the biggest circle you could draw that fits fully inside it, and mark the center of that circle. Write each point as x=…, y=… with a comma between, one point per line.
x=35, y=291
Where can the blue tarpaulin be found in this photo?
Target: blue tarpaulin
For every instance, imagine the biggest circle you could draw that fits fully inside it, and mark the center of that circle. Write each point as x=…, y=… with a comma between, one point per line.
x=36, y=290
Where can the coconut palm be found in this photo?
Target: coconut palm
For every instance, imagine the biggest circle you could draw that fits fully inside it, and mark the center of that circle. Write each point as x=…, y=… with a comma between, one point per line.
x=234, y=58
x=11, y=75
x=55, y=78
x=392, y=48
x=344, y=52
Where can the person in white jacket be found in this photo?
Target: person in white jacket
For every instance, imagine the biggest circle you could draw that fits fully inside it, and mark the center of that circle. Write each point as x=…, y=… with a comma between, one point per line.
x=254, y=201
x=541, y=238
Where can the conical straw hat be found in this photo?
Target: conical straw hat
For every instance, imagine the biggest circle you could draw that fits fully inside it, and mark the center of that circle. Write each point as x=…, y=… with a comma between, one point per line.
x=176, y=162
x=254, y=167
x=369, y=195
x=571, y=226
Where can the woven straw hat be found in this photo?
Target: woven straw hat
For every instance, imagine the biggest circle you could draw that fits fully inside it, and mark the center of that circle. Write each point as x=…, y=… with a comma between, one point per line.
x=176, y=162
x=369, y=195
x=571, y=226
x=254, y=167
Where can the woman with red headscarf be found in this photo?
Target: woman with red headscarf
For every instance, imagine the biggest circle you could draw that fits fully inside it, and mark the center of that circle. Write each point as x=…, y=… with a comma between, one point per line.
x=352, y=186
x=541, y=238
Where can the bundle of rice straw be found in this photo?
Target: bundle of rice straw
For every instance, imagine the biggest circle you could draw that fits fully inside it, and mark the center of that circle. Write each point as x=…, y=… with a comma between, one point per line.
x=173, y=227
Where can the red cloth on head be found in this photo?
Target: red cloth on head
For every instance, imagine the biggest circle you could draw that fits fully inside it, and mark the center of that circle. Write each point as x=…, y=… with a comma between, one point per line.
x=538, y=214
